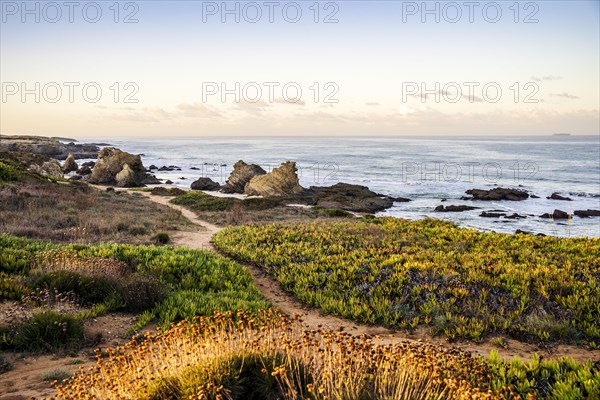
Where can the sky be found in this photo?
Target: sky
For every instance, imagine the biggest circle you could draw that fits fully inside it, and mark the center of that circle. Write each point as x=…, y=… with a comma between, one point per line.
x=160, y=68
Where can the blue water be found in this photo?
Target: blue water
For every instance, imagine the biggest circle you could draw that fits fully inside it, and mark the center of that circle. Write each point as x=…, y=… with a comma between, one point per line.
x=425, y=170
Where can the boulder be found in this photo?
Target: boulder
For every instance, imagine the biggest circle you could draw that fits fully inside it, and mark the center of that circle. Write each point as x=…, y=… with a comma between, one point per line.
x=497, y=194
x=75, y=177
x=515, y=216
x=84, y=170
x=281, y=182
x=70, y=165
x=556, y=196
x=111, y=161
x=151, y=179
x=345, y=196
x=452, y=208
x=557, y=214
x=242, y=174
x=205, y=184
x=50, y=168
x=490, y=214
x=152, y=167
x=587, y=213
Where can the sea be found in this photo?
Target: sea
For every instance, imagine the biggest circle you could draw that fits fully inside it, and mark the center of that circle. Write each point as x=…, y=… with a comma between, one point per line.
x=430, y=171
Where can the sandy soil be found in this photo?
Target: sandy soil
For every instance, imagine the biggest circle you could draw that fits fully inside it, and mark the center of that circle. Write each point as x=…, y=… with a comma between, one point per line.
x=26, y=381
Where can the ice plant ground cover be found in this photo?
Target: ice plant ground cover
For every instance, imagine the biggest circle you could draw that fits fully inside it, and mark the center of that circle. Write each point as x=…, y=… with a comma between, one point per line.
x=461, y=283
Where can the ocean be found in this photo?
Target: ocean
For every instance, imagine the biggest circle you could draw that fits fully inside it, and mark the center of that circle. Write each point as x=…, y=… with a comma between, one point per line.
x=423, y=169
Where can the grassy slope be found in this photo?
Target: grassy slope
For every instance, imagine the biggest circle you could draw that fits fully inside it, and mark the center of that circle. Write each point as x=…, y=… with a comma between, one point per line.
x=460, y=282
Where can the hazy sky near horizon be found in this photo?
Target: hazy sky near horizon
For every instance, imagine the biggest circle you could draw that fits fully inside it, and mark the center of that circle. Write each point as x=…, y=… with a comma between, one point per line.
x=153, y=68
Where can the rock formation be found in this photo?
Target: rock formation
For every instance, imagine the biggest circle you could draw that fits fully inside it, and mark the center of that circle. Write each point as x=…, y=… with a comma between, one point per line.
x=349, y=197
x=497, y=194
x=205, y=184
x=556, y=196
x=242, y=174
x=116, y=167
x=70, y=165
x=48, y=168
x=557, y=214
x=281, y=182
x=452, y=208
x=587, y=213
x=48, y=146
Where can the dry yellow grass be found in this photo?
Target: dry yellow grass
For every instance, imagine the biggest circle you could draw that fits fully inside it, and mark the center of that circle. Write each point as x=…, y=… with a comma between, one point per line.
x=231, y=356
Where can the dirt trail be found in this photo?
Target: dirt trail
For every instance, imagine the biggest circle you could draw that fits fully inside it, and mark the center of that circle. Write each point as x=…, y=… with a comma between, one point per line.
x=314, y=319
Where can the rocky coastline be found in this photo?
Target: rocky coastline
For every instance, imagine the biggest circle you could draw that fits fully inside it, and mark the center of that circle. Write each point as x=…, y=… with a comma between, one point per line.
x=114, y=167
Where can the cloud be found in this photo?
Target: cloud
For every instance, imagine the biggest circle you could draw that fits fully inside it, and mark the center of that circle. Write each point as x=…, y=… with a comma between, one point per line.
x=142, y=115
x=546, y=78
x=197, y=110
x=565, y=95
x=281, y=100
x=255, y=108
x=446, y=94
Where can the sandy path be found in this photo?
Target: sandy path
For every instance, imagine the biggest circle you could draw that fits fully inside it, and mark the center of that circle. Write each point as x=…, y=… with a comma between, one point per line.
x=314, y=319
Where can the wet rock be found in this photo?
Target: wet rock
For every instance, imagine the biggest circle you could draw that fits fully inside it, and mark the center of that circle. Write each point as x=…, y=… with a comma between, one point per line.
x=488, y=214
x=556, y=196
x=169, y=182
x=280, y=182
x=515, y=216
x=205, y=184
x=497, y=194
x=587, y=213
x=84, y=170
x=240, y=176
x=75, y=177
x=557, y=214
x=152, y=167
x=151, y=179
x=400, y=199
x=453, y=208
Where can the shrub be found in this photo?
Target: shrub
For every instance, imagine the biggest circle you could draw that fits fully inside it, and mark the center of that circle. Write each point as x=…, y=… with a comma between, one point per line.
x=5, y=365
x=9, y=172
x=199, y=201
x=49, y=331
x=142, y=291
x=55, y=375
x=89, y=289
x=161, y=238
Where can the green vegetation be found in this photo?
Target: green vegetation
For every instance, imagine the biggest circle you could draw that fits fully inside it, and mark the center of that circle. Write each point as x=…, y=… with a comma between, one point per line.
x=9, y=172
x=199, y=201
x=56, y=375
x=162, y=282
x=459, y=282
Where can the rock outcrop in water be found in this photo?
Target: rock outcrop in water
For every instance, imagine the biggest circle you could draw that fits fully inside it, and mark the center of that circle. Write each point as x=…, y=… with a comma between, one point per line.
x=119, y=168
x=556, y=196
x=240, y=176
x=587, y=213
x=280, y=182
x=344, y=196
x=497, y=194
x=557, y=214
x=48, y=146
x=452, y=208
